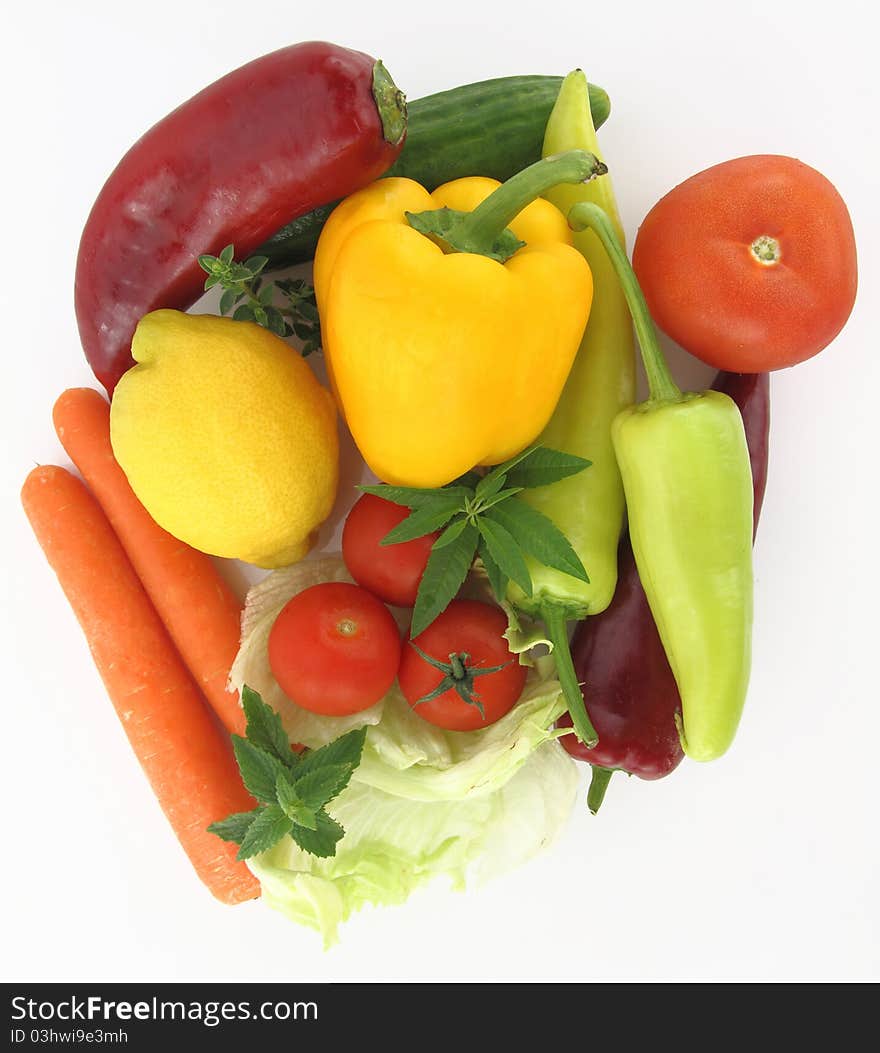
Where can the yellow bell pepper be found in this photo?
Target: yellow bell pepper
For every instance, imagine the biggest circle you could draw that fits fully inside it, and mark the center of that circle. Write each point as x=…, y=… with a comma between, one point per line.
x=442, y=358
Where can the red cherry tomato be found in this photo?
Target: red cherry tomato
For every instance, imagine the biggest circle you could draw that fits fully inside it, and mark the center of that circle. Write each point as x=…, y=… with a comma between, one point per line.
x=334, y=649
x=391, y=572
x=471, y=629
x=750, y=265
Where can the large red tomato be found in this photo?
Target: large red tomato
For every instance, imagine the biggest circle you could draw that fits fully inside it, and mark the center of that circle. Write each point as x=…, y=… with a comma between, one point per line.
x=462, y=645
x=391, y=572
x=749, y=265
x=334, y=649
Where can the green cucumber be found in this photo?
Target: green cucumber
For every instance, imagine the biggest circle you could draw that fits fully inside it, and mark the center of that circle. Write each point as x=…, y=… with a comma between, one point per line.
x=493, y=128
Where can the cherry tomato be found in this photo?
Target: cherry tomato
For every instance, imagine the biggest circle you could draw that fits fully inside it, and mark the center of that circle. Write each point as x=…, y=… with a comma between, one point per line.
x=391, y=572
x=750, y=265
x=466, y=638
x=334, y=649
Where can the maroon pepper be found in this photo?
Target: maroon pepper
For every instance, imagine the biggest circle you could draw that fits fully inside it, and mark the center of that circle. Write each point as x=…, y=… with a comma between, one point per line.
x=304, y=125
x=618, y=655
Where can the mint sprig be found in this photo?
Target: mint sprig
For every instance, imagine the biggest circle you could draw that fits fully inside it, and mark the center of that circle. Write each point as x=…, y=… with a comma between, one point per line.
x=293, y=791
x=480, y=516
x=249, y=298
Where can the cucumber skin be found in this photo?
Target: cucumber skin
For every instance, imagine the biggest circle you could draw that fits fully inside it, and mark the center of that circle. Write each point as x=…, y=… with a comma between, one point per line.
x=491, y=128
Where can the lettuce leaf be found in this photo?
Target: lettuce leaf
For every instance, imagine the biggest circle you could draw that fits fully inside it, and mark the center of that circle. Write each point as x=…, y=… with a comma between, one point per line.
x=393, y=844
x=424, y=801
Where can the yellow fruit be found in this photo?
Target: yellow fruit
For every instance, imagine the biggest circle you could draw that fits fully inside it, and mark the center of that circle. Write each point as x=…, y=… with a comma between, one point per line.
x=226, y=437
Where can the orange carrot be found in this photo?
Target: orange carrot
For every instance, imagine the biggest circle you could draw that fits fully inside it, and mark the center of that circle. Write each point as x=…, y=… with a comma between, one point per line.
x=183, y=751
x=200, y=611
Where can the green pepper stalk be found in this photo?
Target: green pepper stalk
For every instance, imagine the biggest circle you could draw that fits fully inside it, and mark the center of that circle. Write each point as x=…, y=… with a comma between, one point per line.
x=588, y=508
x=687, y=478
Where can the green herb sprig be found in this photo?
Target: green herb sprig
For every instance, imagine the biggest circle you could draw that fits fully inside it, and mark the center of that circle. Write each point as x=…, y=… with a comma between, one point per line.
x=293, y=790
x=478, y=517
x=249, y=298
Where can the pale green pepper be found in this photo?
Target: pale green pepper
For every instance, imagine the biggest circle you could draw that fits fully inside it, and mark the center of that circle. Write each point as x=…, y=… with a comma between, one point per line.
x=588, y=507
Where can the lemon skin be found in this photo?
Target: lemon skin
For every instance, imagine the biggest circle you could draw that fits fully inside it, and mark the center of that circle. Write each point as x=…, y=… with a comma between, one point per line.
x=226, y=437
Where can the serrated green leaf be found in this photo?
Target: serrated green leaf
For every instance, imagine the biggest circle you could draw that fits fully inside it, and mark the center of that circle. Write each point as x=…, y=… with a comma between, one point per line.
x=227, y=254
x=266, y=830
x=211, y=281
x=208, y=263
x=346, y=749
x=260, y=316
x=255, y=264
x=293, y=806
x=453, y=531
x=490, y=484
x=502, y=495
x=539, y=537
x=497, y=578
x=322, y=841
x=544, y=466
x=444, y=574
x=320, y=786
x=259, y=769
x=423, y=521
x=264, y=727
x=234, y=827
x=504, y=469
x=505, y=552
x=244, y=313
x=265, y=294
x=414, y=497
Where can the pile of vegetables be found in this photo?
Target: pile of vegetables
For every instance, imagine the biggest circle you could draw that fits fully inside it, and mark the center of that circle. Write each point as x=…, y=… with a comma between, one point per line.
x=411, y=707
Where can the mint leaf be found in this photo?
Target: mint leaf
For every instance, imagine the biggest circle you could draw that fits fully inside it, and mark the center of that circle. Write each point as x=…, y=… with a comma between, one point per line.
x=538, y=536
x=424, y=520
x=234, y=827
x=503, y=549
x=497, y=577
x=544, y=466
x=264, y=727
x=346, y=749
x=321, y=841
x=318, y=787
x=293, y=806
x=444, y=574
x=267, y=829
x=259, y=769
x=414, y=497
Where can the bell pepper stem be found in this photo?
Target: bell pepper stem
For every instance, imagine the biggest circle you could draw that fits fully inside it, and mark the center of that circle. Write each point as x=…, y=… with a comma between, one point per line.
x=588, y=216
x=483, y=225
x=598, y=785
x=484, y=232
x=554, y=619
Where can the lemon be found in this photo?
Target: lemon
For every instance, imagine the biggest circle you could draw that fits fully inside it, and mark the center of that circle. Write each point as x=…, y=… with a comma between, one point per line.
x=226, y=437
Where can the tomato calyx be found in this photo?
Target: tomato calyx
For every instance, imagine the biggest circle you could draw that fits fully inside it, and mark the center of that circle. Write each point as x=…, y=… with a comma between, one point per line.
x=458, y=675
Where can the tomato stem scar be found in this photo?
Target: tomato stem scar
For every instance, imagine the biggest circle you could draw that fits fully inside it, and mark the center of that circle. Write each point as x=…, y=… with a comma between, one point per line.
x=766, y=250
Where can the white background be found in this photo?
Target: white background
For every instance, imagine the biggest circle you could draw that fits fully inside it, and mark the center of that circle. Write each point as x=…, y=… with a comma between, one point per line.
x=763, y=865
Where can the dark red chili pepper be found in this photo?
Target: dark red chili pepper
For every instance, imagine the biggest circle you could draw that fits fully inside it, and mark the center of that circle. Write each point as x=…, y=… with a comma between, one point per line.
x=304, y=125
x=618, y=654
